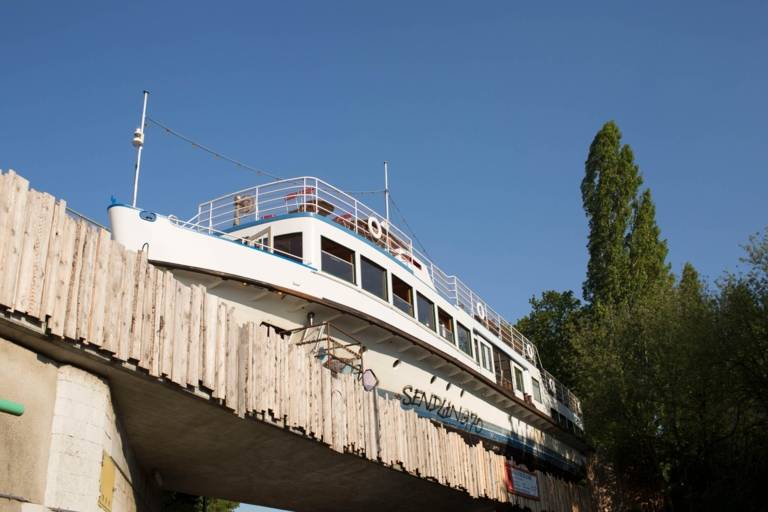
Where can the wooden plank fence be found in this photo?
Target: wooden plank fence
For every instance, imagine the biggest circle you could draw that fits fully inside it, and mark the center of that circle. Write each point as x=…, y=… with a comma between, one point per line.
x=87, y=288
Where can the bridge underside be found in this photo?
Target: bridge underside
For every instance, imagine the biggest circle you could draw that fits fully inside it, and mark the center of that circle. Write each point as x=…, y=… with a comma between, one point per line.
x=199, y=448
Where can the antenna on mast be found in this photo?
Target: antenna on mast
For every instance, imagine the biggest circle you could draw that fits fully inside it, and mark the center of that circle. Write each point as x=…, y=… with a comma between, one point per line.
x=386, y=196
x=138, y=143
x=386, y=191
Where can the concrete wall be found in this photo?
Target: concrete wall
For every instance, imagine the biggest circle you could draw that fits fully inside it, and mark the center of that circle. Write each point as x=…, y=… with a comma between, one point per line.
x=68, y=442
x=30, y=380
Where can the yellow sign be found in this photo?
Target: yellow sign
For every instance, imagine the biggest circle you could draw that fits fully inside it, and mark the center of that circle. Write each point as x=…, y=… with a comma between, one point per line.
x=107, y=482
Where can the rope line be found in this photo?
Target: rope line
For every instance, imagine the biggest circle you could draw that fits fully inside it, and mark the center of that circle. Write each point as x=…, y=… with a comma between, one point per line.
x=413, y=233
x=262, y=172
x=213, y=152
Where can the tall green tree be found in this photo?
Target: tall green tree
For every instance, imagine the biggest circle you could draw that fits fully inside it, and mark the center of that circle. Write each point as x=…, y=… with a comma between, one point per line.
x=647, y=252
x=609, y=187
x=550, y=325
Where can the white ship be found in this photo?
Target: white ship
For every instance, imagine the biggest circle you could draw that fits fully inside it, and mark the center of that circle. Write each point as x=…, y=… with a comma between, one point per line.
x=316, y=264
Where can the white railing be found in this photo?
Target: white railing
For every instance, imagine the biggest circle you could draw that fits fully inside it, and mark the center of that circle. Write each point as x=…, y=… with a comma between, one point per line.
x=311, y=195
x=255, y=244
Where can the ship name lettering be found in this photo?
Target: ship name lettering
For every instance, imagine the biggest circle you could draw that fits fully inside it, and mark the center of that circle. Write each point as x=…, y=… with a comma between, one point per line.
x=442, y=407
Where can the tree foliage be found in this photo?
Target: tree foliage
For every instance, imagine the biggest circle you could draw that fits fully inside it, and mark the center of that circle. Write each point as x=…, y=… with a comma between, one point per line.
x=180, y=502
x=550, y=325
x=672, y=374
x=609, y=187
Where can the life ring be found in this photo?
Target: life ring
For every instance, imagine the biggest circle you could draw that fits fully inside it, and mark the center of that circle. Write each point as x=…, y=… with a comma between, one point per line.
x=529, y=351
x=551, y=385
x=374, y=227
x=480, y=310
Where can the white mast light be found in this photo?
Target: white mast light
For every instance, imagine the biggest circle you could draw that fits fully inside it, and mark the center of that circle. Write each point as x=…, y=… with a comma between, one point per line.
x=138, y=143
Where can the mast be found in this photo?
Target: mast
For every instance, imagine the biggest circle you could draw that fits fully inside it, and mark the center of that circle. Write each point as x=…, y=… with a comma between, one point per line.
x=138, y=142
x=386, y=197
x=386, y=191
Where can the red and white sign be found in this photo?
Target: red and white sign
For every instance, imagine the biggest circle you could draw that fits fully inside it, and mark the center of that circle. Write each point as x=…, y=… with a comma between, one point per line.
x=522, y=482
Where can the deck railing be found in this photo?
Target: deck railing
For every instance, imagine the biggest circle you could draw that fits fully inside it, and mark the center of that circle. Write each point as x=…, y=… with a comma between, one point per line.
x=312, y=195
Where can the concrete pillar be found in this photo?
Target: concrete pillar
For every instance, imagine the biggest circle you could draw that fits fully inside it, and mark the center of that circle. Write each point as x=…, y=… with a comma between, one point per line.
x=90, y=466
x=68, y=450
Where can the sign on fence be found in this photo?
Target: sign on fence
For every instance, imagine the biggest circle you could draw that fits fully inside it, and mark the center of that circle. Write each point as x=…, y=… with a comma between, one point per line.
x=522, y=482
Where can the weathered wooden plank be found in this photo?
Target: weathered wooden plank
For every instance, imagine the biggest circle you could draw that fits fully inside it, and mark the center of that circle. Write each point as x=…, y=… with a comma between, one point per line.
x=137, y=310
x=149, y=310
x=29, y=289
x=101, y=284
x=58, y=292
x=106, y=317
x=195, y=331
x=230, y=400
x=15, y=243
x=159, y=323
x=26, y=258
x=85, y=288
x=209, y=340
x=168, y=323
x=7, y=194
x=253, y=335
x=259, y=359
x=220, y=390
x=181, y=334
x=72, y=316
x=129, y=286
x=242, y=370
x=56, y=244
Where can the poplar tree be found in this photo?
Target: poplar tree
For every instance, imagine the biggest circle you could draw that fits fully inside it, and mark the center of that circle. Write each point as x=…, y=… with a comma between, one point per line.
x=609, y=187
x=647, y=252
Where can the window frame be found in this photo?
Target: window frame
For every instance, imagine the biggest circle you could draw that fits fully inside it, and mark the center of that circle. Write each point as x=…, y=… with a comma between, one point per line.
x=419, y=297
x=486, y=359
x=518, y=377
x=412, y=306
x=385, y=278
x=459, y=327
x=353, y=261
x=288, y=254
x=536, y=390
x=440, y=325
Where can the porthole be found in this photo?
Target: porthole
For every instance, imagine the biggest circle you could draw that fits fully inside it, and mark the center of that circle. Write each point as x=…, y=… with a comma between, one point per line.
x=397, y=362
x=433, y=379
x=448, y=386
x=462, y=393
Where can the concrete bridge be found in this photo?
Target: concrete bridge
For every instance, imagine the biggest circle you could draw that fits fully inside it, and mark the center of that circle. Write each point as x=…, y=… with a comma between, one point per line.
x=134, y=383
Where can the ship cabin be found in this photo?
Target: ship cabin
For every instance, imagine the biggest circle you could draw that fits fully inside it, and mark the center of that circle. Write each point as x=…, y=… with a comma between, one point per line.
x=315, y=224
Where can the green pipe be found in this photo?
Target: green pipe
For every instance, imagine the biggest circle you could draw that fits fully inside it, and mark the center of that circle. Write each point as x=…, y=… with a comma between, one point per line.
x=11, y=407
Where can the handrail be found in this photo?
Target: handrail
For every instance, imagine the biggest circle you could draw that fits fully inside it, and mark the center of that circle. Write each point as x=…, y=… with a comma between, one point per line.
x=229, y=236
x=313, y=195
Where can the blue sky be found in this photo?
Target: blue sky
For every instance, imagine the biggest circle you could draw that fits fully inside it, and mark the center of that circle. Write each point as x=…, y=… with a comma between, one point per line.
x=484, y=109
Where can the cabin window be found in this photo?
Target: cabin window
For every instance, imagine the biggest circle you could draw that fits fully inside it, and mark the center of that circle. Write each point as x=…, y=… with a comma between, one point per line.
x=402, y=295
x=373, y=278
x=485, y=351
x=465, y=339
x=519, y=380
x=338, y=260
x=536, y=390
x=477, y=351
x=445, y=322
x=426, y=310
x=502, y=366
x=290, y=246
